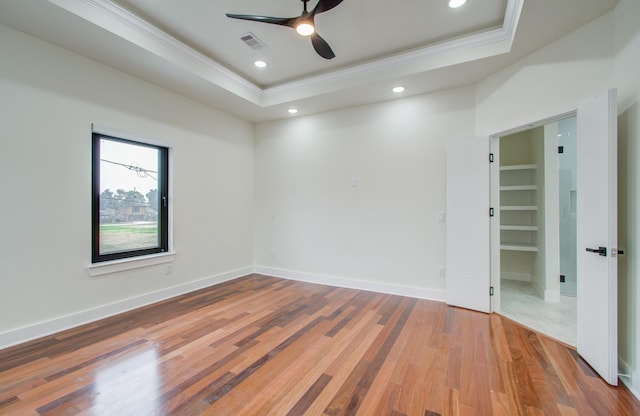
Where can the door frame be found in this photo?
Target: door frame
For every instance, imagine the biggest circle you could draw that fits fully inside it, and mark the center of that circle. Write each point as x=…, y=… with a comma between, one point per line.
x=494, y=186
x=604, y=362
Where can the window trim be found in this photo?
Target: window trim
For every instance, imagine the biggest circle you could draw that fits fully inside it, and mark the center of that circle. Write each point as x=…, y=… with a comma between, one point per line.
x=130, y=263
x=163, y=195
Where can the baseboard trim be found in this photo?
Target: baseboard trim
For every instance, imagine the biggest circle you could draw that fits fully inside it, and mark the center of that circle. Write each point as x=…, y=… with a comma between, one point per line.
x=41, y=329
x=630, y=378
x=350, y=283
x=551, y=295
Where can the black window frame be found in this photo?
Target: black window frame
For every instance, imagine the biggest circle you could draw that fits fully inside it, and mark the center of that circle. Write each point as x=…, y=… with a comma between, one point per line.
x=163, y=201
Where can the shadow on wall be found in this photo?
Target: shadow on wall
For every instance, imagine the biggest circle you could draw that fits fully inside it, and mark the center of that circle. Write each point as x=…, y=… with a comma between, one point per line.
x=82, y=79
x=628, y=148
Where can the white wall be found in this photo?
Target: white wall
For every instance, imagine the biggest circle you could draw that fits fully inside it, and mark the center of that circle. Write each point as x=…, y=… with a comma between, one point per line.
x=383, y=234
x=48, y=99
x=547, y=82
x=627, y=79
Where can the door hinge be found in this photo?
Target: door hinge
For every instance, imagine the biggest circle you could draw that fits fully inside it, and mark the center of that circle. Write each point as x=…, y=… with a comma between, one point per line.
x=491, y=291
x=560, y=149
x=490, y=157
x=491, y=213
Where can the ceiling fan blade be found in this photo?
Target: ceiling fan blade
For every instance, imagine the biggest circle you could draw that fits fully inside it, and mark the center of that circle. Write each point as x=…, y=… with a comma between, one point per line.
x=282, y=21
x=322, y=47
x=324, y=5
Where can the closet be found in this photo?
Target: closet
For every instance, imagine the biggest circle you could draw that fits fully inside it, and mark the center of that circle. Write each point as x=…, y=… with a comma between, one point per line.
x=537, y=199
x=522, y=214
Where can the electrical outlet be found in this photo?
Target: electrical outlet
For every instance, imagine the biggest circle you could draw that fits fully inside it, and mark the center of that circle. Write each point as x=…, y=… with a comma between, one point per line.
x=442, y=216
x=168, y=269
x=440, y=271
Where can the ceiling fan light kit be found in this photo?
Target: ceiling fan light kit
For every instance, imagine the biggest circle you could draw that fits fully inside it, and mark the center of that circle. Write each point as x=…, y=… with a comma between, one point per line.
x=303, y=24
x=305, y=29
x=454, y=4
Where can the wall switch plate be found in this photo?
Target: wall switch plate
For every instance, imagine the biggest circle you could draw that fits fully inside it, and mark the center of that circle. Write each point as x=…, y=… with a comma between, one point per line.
x=442, y=216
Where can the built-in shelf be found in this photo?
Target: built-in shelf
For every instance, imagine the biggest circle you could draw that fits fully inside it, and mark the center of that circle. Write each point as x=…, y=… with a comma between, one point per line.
x=519, y=188
x=519, y=208
x=518, y=194
x=519, y=247
x=519, y=228
x=518, y=167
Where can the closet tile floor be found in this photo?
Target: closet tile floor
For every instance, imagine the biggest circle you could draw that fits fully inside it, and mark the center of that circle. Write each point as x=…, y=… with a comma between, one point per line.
x=521, y=303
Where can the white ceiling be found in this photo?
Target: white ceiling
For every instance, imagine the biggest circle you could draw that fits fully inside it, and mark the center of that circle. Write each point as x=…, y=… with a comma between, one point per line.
x=191, y=47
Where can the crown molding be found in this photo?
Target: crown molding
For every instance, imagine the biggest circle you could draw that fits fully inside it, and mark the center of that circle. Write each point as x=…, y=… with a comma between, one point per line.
x=456, y=51
x=121, y=22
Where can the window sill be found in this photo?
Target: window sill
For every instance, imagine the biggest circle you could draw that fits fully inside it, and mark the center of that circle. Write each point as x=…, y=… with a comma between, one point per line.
x=115, y=266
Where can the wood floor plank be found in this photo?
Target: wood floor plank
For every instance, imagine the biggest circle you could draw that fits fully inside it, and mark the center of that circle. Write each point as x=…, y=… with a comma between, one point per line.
x=265, y=346
x=273, y=376
x=393, y=366
x=301, y=374
x=499, y=404
x=351, y=394
x=337, y=358
x=342, y=367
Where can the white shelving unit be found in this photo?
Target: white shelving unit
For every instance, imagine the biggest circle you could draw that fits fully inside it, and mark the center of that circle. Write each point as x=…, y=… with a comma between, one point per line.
x=519, y=227
x=519, y=188
x=518, y=247
x=518, y=206
x=518, y=167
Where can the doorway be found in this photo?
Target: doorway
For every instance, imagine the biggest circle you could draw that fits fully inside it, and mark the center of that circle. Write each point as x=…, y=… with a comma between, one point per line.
x=535, y=187
x=472, y=275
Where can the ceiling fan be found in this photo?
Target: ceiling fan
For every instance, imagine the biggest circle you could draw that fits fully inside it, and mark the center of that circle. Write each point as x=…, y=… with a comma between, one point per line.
x=303, y=24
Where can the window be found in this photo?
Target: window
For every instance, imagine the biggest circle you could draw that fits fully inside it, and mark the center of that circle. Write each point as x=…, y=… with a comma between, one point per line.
x=130, y=198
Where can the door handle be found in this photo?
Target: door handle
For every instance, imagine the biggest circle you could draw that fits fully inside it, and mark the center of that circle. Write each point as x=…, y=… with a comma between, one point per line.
x=602, y=251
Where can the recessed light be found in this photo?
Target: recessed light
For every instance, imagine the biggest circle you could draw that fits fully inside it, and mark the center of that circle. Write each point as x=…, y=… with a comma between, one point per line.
x=456, y=3
x=398, y=89
x=293, y=110
x=260, y=64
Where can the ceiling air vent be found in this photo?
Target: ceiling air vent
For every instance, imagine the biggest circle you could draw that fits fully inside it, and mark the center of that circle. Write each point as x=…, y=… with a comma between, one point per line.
x=253, y=42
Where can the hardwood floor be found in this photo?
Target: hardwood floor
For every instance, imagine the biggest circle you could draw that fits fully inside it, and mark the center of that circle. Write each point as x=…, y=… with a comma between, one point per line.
x=266, y=346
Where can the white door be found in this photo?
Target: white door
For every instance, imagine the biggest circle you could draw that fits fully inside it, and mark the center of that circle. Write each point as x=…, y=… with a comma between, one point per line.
x=597, y=235
x=467, y=224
